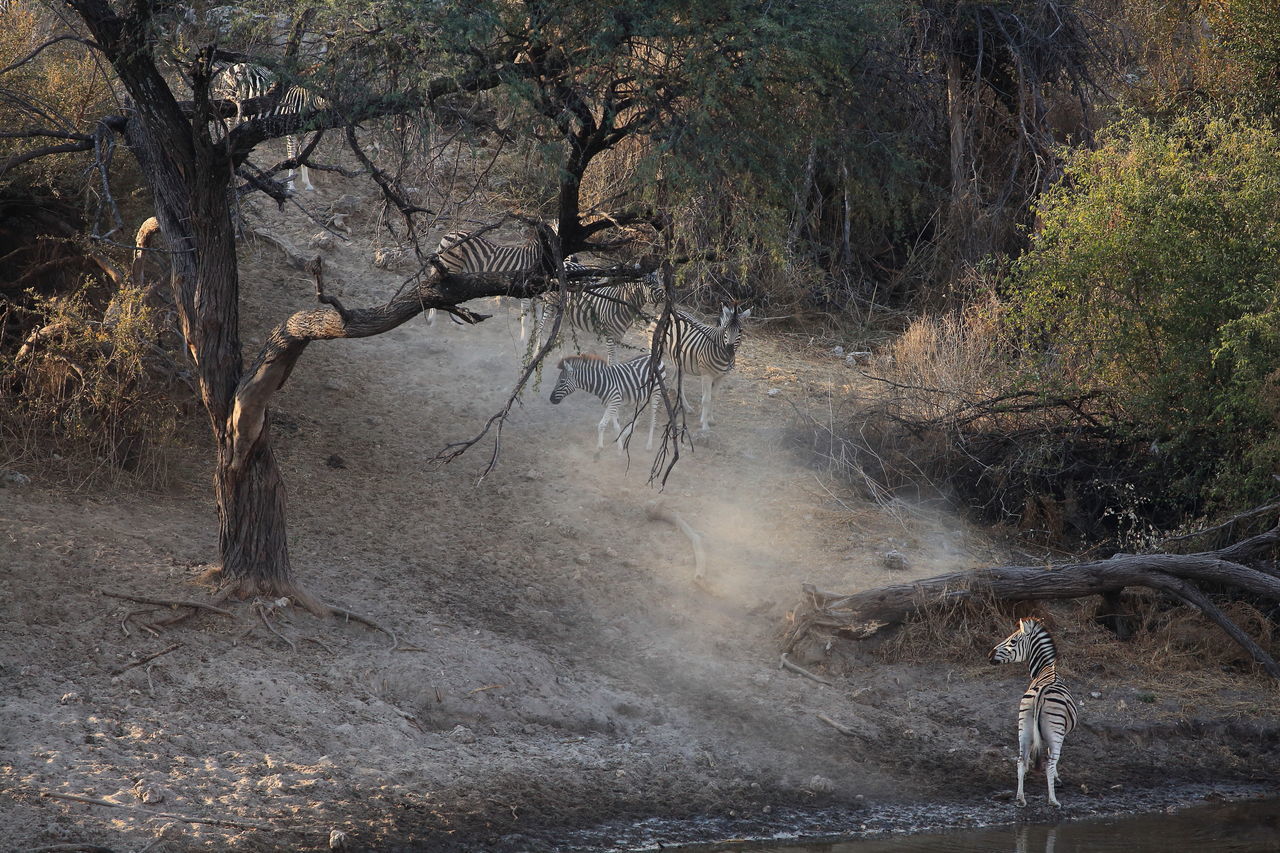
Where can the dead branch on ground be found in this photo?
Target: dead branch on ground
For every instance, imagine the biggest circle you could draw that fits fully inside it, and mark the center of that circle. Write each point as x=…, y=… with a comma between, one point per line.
x=861, y=614
x=656, y=510
x=150, y=813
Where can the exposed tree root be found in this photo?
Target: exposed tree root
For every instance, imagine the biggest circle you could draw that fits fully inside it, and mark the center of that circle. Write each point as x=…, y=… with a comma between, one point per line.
x=365, y=620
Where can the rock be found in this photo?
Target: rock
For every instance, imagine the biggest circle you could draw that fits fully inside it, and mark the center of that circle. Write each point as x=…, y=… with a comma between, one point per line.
x=335, y=461
x=532, y=474
x=336, y=385
x=323, y=241
x=583, y=559
x=837, y=350
x=13, y=479
x=462, y=734
x=858, y=357
x=1094, y=694
x=773, y=392
x=347, y=204
x=69, y=698
x=895, y=560
x=821, y=785
x=387, y=259
x=337, y=839
x=149, y=792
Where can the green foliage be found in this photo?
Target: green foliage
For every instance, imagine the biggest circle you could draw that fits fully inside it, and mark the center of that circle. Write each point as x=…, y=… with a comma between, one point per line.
x=1154, y=283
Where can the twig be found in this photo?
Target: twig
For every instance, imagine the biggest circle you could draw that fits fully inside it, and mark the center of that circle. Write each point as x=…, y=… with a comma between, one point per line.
x=486, y=687
x=365, y=620
x=1224, y=525
x=784, y=663
x=71, y=847
x=210, y=821
x=147, y=659
x=840, y=727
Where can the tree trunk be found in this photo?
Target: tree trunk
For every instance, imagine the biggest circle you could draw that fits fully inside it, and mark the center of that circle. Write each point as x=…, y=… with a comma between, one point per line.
x=189, y=179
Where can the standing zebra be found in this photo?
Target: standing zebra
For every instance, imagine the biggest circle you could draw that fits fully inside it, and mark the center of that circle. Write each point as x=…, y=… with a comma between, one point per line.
x=700, y=349
x=607, y=311
x=244, y=81
x=632, y=381
x=463, y=252
x=1047, y=712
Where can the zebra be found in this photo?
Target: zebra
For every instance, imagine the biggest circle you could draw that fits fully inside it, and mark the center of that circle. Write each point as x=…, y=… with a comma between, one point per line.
x=463, y=252
x=1047, y=713
x=244, y=81
x=700, y=349
x=632, y=381
x=606, y=311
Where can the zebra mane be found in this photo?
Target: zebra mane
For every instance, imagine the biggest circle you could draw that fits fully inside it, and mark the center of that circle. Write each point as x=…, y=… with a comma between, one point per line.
x=581, y=357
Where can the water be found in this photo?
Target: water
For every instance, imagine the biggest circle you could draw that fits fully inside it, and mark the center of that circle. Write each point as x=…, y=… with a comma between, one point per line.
x=1245, y=827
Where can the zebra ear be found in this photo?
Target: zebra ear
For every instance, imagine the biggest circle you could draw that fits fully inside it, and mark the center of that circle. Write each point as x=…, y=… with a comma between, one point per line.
x=745, y=314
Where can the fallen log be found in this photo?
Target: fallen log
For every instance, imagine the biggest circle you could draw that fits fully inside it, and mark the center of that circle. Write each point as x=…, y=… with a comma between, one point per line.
x=862, y=614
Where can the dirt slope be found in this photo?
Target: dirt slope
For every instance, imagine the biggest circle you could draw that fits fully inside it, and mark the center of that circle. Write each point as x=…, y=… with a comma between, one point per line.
x=560, y=669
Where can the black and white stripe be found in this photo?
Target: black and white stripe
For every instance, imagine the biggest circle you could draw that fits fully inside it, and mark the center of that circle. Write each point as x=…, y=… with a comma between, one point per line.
x=606, y=311
x=242, y=82
x=701, y=349
x=1047, y=712
x=630, y=381
x=462, y=252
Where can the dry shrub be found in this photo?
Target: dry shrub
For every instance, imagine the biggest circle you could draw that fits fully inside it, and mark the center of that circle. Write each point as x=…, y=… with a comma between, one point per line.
x=97, y=399
x=63, y=85
x=945, y=362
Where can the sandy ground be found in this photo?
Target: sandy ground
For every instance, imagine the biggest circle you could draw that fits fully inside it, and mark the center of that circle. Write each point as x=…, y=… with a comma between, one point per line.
x=561, y=681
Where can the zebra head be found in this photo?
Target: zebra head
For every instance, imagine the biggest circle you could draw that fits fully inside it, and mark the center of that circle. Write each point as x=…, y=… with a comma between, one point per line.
x=567, y=382
x=731, y=324
x=654, y=289
x=1030, y=642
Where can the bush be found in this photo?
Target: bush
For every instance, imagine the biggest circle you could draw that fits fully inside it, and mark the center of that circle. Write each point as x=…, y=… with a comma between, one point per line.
x=1153, y=284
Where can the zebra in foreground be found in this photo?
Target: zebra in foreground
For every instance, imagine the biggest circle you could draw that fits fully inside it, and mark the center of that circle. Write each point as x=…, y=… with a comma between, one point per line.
x=244, y=81
x=700, y=349
x=463, y=252
x=631, y=381
x=608, y=311
x=1047, y=712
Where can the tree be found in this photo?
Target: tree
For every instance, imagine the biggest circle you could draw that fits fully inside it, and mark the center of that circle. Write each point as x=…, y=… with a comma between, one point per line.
x=586, y=76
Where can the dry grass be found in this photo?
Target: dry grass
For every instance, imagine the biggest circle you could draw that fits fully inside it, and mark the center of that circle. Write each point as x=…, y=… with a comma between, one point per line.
x=92, y=401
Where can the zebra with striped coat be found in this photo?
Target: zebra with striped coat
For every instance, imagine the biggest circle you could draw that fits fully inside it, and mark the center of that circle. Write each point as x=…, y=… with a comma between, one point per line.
x=462, y=252
x=631, y=381
x=242, y=82
x=607, y=311
x=1047, y=713
x=701, y=349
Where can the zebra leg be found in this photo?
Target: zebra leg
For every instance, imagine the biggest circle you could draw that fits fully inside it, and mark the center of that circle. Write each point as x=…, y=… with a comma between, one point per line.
x=1025, y=735
x=610, y=414
x=613, y=348
x=1051, y=769
x=708, y=387
x=653, y=417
